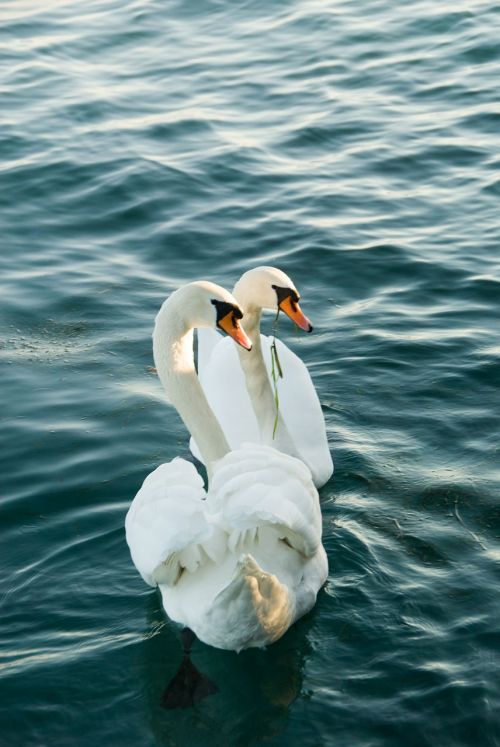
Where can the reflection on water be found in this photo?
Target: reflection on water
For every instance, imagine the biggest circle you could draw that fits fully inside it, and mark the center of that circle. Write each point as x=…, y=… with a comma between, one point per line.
x=256, y=687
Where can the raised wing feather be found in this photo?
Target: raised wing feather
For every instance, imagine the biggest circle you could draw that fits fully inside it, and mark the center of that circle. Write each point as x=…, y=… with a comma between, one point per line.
x=167, y=528
x=301, y=410
x=258, y=486
x=223, y=382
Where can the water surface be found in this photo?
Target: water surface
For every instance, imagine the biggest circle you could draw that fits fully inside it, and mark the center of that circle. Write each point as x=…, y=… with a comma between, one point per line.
x=146, y=144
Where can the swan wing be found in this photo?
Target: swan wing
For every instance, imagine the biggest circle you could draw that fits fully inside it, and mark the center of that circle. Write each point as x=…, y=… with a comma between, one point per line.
x=258, y=487
x=208, y=339
x=301, y=410
x=223, y=382
x=167, y=528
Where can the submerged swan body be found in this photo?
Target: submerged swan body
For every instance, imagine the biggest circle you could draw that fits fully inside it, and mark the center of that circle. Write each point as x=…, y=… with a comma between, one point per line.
x=240, y=563
x=238, y=384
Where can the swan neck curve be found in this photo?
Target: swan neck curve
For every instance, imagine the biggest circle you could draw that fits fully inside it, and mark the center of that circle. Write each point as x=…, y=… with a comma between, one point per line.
x=174, y=361
x=259, y=387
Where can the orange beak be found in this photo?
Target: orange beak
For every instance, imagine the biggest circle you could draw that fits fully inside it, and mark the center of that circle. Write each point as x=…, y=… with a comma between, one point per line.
x=232, y=327
x=294, y=311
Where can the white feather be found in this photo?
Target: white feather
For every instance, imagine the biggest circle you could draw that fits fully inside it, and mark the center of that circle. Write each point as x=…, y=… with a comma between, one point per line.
x=240, y=564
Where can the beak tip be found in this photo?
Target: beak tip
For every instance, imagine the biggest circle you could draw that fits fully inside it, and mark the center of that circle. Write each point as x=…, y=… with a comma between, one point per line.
x=245, y=343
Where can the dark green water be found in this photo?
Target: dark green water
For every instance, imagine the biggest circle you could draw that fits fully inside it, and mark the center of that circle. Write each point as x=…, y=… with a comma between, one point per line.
x=356, y=146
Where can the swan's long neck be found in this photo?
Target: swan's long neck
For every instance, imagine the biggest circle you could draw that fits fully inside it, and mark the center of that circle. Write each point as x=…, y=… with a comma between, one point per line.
x=259, y=387
x=173, y=355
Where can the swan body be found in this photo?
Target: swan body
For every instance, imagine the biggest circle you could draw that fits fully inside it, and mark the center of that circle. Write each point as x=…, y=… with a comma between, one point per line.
x=239, y=563
x=238, y=386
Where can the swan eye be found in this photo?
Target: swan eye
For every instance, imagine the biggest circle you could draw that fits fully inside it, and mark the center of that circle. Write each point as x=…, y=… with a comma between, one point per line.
x=288, y=302
x=223, y=308
x=228, y=316
x=286, y=293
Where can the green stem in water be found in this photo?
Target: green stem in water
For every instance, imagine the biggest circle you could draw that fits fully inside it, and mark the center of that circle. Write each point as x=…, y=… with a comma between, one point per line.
x=276, y=371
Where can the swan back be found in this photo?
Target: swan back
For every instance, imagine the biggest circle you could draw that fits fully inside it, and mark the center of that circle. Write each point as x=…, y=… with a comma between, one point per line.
x=257, y=486
x=240, y=565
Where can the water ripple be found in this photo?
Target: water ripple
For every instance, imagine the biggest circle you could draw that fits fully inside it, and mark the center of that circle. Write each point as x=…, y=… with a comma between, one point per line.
x=144, y=146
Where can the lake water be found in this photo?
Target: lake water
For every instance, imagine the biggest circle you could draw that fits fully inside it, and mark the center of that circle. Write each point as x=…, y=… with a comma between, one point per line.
x=355, y=145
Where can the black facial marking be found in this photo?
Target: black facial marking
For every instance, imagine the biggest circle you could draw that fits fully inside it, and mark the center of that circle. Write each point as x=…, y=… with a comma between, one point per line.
x=223, y=308
x=284, y=293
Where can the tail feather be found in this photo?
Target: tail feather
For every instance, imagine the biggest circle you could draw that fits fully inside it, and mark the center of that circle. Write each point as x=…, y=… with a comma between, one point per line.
x=254, y=609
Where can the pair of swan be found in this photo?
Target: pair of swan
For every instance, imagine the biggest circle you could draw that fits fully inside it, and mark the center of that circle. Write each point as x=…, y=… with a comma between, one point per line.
x=240, y=563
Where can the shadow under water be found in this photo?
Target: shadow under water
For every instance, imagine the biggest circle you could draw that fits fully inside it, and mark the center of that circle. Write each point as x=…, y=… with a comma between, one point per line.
x=255, y=688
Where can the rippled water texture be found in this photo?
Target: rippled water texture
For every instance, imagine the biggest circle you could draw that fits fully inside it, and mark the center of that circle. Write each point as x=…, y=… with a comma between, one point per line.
x=356, y=146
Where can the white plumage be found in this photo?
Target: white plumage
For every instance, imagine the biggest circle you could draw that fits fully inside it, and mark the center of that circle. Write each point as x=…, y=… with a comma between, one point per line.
x=238, y=387
x=239, y=564
x=223, y=382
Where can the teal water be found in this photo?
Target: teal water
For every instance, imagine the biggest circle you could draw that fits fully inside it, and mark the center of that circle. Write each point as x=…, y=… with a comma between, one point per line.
x=144, y=144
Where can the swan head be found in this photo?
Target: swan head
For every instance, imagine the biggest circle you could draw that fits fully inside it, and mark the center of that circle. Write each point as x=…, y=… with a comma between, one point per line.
x=270, y=288
x=205, y=304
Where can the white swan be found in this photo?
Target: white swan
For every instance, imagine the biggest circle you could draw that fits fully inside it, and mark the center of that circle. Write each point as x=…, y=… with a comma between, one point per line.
x=238, y=386
x=240, y=564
